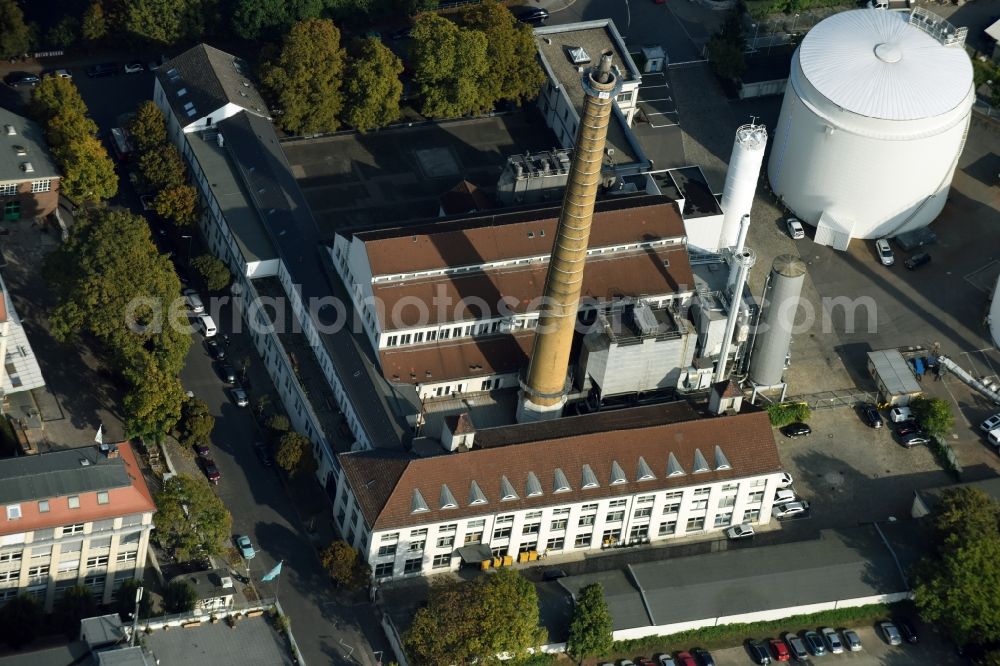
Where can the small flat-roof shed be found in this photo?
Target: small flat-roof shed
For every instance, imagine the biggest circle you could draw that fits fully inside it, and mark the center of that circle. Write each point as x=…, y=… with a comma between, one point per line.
x=893, y=377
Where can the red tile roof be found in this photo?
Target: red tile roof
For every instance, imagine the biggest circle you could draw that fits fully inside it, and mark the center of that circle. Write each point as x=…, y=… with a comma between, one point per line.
x=383, y=482
x=449, y=359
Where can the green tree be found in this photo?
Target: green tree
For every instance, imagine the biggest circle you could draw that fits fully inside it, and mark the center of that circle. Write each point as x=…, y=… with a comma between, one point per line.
x=591, y=627
x=55, y=96
x=67, y=127
x=15, y=35
x=726, y=48
x=94, y=26
x=88, y=173
x=124, y=602
x=63, y=34
x=253, y=19
x=956, y=586
x=515, y=74
x=213, y=271
x=148, y=128
x=20, y=619
x=306, y=78
x=290, y=449
x=165, y=21
x=178, y=203
x=476, y=619
x=191, y=521
x=196, y=422
x=76, y=604
x=345, y=565
x=163, y=167
x=179, y=597
x=450, y=66
x=153, y=402
x=372, y=89
x=934, y=415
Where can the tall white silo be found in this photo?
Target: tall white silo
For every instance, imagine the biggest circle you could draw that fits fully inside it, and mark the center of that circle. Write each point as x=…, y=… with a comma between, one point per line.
x=873, y=121
x=741, y=180
x=777, y=321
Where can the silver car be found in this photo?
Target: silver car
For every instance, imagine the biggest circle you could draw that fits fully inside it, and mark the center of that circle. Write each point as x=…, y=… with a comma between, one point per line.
x=832, y=640
x=884, y=252
x=795, y=229
x=853, y=640
x=890, y=633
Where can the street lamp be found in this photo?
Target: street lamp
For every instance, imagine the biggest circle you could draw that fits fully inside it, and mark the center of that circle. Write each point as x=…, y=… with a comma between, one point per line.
x=756, y=29
x=794, y=22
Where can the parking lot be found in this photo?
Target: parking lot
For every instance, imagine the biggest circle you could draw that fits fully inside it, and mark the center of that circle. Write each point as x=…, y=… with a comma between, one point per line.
x=656, y=100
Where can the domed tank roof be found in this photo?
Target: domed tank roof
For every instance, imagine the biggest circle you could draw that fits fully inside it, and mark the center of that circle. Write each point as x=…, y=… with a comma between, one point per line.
x=875, y=63
x=788, y=265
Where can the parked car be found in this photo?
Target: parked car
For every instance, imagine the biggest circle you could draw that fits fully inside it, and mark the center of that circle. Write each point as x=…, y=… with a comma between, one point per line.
x=685, y=659
x=18, y=79
x=906, y=629
x=796, y=646
x=101, y=70
x=643, y=661
x=906, y=428
x=246, y=549
x=784, y=495
x=793, y=430
x=666, y=660
x=785, y=480
x=884, y=252
x=193, y=301
x=814, y=643
x=852, y=640
x=703, y=657
x=227, y=373
x=779, y=650
x=534, y=15
x=626, y=662
x=211, y=470
x=795, y=229
x=870, y=415
x=900, y=414
x=202, y=450
x=743, y=531
x=917, y=260
x=789, y=509
x=62, y=73
x=215, y=350
x=134, y=67
x=915, y=439
x=832, y=640
x=240, y=398
x=263, y=452
x=991, y=423
x=758, y=653
x=206, y=325
x=890, y=633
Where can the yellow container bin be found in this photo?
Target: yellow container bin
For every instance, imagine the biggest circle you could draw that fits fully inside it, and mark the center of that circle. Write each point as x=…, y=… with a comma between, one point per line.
x=508, y=560
x=532, y=555
x=484, y=565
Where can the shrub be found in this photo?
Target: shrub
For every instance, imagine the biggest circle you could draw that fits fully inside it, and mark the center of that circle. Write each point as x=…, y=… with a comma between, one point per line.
x=782, y=414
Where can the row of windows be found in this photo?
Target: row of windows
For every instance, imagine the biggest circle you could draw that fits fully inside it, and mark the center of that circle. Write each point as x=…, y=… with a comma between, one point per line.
x=72, y=502
x=41, y=185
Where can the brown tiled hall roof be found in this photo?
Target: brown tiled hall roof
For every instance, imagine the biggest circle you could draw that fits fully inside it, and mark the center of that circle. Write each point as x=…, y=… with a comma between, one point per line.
x=398, y=490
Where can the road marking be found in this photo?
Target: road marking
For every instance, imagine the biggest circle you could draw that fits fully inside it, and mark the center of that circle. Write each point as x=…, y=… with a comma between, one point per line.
x=662, y=85
x=655, y=126
x=659, y=99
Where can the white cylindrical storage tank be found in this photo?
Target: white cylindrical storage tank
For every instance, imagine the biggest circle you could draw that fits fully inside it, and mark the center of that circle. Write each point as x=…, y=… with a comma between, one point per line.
x=873, y=121
x=741, y=180
x=774, y=328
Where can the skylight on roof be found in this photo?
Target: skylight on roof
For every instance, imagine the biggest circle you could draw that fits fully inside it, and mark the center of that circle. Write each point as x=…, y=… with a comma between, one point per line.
x=417, y=503
x=578, y=55
x=560, y=482
x=533, y=487
x=645, y=473
x=721, y=461
x=589, y=478
x=191, y=113
x=700, y=464
x=617, y=473
x=447, y=499
x=507, y=493
x=673, y=467
x=182, y=92
x=476, y=495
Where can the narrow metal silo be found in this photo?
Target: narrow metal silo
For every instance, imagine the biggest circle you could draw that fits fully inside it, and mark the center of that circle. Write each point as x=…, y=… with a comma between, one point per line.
x=774, y=332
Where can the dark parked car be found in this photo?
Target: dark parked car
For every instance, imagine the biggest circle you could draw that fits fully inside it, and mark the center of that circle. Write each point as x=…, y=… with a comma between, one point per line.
x=211, y=470
x=17, y=79
x=793, y=430
x=906, y=629
x=917, y=260
x=227, y=373
x=915, y=439
x=263, y=452
x=758, y=653
x=796, y=646
x=533, y=15
x=703, y=657
x=907, y=428
x=871, y=416
x=103, y=69
x=814, y=643
x=202, y=450
x=215, y=350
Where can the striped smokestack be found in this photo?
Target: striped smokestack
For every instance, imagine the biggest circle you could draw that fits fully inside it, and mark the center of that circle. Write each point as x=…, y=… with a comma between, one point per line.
x=543, y=392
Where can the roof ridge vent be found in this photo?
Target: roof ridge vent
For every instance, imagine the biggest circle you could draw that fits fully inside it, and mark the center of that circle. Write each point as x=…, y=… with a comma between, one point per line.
x=617, y=474
x=532, y=486
x=673, y=467
x=11, y=130
x=721, y=461
x=507, y=493
x=417, y=503
x=589, y=478
x=447, y=499
x=27, y=167
x=700, y=464
x=20, y=151
x=84, y=462
x=645, y=472
x=476, y=495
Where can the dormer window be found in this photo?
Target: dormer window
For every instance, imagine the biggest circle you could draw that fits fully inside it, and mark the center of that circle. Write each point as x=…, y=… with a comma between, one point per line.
x=617, y=474
x=507, y=493
x=560, y=484
x=673, y=467
x=13, y=511
x=589, y=478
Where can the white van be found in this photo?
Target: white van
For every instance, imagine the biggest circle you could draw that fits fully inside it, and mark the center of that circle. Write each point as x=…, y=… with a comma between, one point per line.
x=994, y=437
x=207, y=325
x=900, y=414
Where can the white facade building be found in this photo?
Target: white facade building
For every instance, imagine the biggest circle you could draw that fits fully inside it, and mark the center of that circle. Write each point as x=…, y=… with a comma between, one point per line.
x=575, y=485
x=21, y=371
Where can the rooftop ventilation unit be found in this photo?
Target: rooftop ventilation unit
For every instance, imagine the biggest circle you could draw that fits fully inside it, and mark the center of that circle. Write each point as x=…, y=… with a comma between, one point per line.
x=578, y=56
x=26, y=167
x=84, y=462
x=11, y=131
x=20, y=150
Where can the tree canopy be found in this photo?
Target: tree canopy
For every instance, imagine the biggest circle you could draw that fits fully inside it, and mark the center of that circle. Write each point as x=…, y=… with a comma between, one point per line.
x=213, y=271
x=726, y=48
x=191, y=521
x=934, y=415
x=591, y=627
x=76, y=604
x=165, y=21
x=163, y=167
x=197, y=423
x=148, y=128
x=956, y=586
x=55, y=95
x=291, y=448
x=450, y=64
x=345, y=565
x=514, y=72
x=20, y=620
x=88, y=172
x=372, y=89
x=476, y=619
x=178, y=203
x=94, y=25
x=179, y=597
x=15, y=35
x=306, y=77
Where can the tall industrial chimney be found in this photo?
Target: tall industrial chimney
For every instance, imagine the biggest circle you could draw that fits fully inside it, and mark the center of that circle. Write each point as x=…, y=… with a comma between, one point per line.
x=543, y=391
x=741, y=180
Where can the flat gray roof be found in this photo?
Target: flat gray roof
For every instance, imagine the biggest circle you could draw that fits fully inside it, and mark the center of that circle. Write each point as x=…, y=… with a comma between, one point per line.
x=251, y=642
x=207, y=584
x=30, y=137
x=932, y=496
x=226, y=182
x=102, y=629
x=70, y=654
x=60, y=473
x=894, y=372
x=840, y=564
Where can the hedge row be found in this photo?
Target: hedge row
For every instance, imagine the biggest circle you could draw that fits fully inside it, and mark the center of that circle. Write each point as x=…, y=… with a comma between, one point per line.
x=788, y=412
